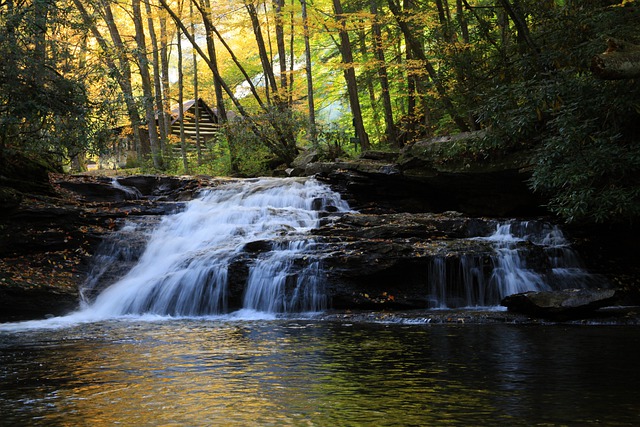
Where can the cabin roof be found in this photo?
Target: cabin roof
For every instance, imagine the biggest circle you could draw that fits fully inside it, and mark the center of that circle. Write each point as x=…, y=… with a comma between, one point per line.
x=190, y=105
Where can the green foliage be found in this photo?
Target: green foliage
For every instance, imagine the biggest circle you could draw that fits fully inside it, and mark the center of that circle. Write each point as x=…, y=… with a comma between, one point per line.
x=249, y=156
x=333, y=141
x=585, y=132
x=42, y=108
x=589, y=161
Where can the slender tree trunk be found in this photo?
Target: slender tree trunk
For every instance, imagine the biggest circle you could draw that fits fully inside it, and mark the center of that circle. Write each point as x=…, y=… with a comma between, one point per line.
x=125, y=82
x=164, y=61
x=462, y=22
x=376, y=32
x=514, y=10
x=210, y=28
x=291, y=52
x=194, y=60
x=282, y=54
x=181, y=117
x=368, y=80
x=307, y=53
x=267, y=68
x=221, y=112
x=157, y=80
x=145, y=77
x=418, y=52
x=350, y=77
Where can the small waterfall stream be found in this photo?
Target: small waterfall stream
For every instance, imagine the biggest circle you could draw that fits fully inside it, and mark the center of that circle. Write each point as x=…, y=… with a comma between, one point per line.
x=527, y=256
x=186, y=265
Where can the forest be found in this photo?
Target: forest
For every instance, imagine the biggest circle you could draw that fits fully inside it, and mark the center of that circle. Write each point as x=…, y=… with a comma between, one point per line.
x=84, y=81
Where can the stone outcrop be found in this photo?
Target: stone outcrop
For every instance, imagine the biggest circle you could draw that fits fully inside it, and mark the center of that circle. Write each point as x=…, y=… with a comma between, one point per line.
x=383, y=260
x=561, y=305
x=417, y=180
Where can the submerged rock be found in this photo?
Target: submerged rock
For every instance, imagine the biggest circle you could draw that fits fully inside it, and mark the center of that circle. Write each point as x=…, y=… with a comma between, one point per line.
x=561, y=305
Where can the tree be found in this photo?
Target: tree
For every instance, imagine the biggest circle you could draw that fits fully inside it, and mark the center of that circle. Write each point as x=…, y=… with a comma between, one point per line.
x=148, y=100
x=378, y=49
x=307, y=59
x=43, y=108
x=157, y=78
x=350, y=76
x=124, y=76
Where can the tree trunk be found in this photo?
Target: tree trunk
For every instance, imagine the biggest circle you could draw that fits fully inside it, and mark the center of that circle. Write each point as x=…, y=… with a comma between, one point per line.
x=196, y=95
x=267, y=68
x=143, y=63
x=350, y=77
x=282, y=54
x=621, y=60
x=183, y=139
x=292, y=56
x=307, y=53
x=416, y=47
x=164, y=61
x=157, y=80
x=519, y=20
x=390, y=127
x=221, y=111
x=367, y=76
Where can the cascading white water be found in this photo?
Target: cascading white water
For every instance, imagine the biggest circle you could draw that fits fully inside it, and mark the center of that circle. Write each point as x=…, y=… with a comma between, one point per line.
x=510, y=273
x=133, y=192
x=465, y=282
x=184, y=269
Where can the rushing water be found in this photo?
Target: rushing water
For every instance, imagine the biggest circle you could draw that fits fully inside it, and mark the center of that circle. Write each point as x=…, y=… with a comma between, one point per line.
x=184, y=268
x=231, y=372
x=472, y=280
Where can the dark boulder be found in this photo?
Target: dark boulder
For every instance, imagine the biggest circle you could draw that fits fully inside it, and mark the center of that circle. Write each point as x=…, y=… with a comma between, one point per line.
x=23, y=303
x=561, y=305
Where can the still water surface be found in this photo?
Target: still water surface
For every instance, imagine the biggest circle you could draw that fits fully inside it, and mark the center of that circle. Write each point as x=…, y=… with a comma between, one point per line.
x=318, y=373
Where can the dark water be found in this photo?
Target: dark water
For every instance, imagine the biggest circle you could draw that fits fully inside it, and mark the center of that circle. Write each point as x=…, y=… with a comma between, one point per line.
x=319, y=373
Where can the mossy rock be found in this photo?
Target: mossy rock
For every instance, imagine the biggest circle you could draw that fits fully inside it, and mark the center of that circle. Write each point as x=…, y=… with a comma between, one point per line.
x=25, y=174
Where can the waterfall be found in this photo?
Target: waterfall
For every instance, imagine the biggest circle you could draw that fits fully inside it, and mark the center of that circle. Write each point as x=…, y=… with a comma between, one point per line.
x=244, y=241
x=132, y=192
x=525, y=256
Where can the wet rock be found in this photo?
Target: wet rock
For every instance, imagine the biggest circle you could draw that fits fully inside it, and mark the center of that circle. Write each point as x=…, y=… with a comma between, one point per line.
x=383, y=261
x=23, y=303
x=96, y=191
x=561, y=305
x=418, y=180
x=258, y=246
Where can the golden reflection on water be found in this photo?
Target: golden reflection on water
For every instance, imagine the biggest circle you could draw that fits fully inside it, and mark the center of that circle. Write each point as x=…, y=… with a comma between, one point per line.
x=197, y=373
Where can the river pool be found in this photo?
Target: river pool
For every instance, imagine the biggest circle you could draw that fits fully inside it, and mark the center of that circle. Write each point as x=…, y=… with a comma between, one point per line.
x=318, y=372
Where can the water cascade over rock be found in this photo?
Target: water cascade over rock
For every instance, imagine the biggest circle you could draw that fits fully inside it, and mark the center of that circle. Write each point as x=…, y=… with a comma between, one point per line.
x=529, y=256
x=408, y=261
x=293, y=245
x=242, y=244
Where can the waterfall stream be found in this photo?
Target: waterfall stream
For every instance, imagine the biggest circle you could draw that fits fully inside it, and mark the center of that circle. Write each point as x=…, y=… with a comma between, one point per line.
x=527, y=256
x=186, y=265
x=246, y=244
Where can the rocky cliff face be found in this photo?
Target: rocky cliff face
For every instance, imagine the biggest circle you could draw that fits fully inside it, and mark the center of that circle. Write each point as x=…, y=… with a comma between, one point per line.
x=414, y=180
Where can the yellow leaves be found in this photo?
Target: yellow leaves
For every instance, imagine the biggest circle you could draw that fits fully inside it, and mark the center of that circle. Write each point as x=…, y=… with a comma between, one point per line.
x=55, y=268
x=379, y=299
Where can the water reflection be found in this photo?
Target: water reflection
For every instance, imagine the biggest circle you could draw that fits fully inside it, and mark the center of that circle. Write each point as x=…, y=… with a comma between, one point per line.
x=301, y=372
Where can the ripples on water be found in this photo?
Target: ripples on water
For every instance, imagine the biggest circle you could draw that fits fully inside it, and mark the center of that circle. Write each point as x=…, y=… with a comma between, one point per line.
x=311, y=372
